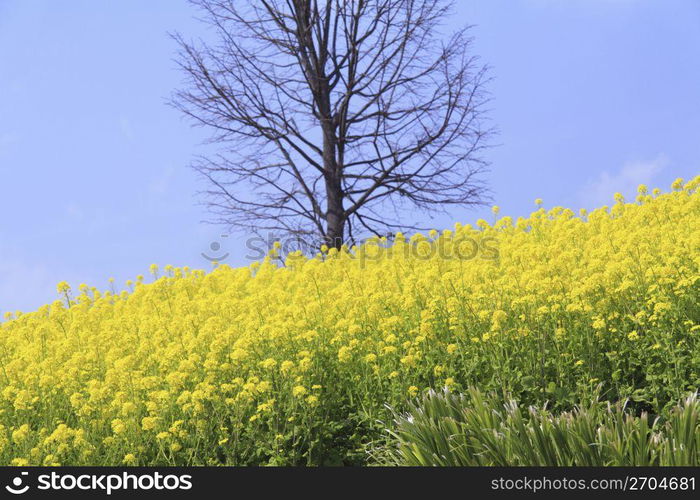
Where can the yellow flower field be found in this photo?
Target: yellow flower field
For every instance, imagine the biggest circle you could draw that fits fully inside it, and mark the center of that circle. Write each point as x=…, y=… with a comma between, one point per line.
x=295, y=363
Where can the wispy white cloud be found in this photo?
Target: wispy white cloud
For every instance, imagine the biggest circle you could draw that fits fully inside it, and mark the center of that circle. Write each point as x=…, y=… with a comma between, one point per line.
x=75, y=211
x=126, y=128
x=601, y=190
x=162, y=184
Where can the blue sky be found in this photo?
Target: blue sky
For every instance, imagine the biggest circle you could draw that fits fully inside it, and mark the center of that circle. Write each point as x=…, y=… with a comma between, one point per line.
x=590, y=96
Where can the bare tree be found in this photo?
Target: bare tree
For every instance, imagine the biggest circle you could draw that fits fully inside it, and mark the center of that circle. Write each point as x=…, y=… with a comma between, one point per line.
x=334, y=116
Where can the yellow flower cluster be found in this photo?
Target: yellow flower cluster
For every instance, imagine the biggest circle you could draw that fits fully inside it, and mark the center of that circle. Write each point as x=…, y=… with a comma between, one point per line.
x=294, y=362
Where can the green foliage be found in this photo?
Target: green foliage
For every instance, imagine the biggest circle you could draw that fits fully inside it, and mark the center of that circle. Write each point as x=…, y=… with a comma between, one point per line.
x=446, y=429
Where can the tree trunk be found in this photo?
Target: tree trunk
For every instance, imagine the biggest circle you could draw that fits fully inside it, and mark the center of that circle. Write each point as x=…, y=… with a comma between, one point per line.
x=335, y=224
x=335, y=220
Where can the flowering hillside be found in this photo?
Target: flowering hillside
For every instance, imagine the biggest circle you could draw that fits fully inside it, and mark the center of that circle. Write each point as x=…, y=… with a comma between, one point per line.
x=295, y=363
